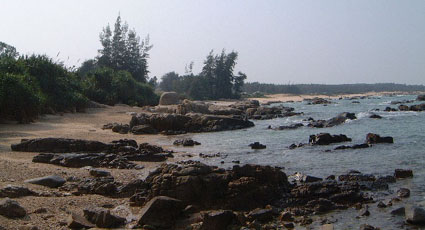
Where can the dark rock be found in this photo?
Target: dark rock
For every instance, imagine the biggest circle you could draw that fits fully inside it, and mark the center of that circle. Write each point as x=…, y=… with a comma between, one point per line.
x=219, y=219
x=120, y=128
x=403, y=108
x=294, y=146
x=59, y=145
x=15, y=191
x=99, y=173
x=286, y=216
x=102, y=217
x=403, y=173
x=326, y=139
x=421, y=97
x=11, y=209
x=368, y=227
x=257, y=145
x=375, y=116
x=262, y=215
x=403, y=193
x=356, y=177
x=289, y=225
x=48, y=181
x=186, y=142
x=381, y=205
x=415, y=215
x=76, y=221
x=160, y=212
x=102, y=185
x=340, y=119
x=358, y=146
x=364, y=211
x=293, y=126
x=143, y=129
x=317, y=101
x=389, y=109
x=372, y=138
x=75, y=160
x=417, y=108
x=398, y=211
x=331, y=177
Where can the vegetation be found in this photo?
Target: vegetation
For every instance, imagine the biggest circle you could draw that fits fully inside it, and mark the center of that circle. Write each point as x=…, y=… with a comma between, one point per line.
x=216, y=81
x=251, y=88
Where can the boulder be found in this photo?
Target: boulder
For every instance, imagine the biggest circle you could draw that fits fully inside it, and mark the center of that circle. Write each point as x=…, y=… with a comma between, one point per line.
x=372, y=138
x=261, y=214
x=76, y=221
x=103, y=218
x=421, y=97
x=78, y=160
x=257, y=145
x=120, y=128
x=59, y=145
x=99, y=173
x=169, y=98
x=53, y=181
x=403, y=173
x=217, y=219
x=415, y=215
x=398, y=211
x=186, y=142
x=160, y=212
x=403, y=193
x=15, y=191
x=326, y=139
x=11, y=209
x=418, y=108
x=339, y=119
x=143, y=129
x=375, y=116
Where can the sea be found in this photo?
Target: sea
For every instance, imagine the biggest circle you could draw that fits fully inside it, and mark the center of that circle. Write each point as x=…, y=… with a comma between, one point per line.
x=407, y=152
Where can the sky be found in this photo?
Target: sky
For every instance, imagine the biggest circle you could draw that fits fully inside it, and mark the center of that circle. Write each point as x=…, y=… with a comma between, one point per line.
x=279, y=41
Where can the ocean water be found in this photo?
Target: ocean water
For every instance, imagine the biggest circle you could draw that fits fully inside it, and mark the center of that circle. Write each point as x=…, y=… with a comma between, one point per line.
x=408, y=150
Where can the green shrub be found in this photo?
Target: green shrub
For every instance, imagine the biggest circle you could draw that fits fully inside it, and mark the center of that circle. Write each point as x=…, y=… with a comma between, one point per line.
x=18, y=100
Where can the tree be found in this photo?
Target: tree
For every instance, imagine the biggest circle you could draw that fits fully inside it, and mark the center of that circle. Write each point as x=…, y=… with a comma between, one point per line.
x=7, y=51
x=168, y=81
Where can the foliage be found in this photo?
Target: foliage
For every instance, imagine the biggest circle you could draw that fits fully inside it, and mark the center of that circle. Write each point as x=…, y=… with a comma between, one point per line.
x=216, y=80
x=108, y=86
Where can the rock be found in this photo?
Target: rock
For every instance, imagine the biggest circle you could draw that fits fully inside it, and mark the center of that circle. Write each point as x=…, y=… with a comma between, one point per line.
x=381, y=205
x=59, y=145
x=372, y=138
x=218, y=219
x=286, y=216
x=421, y=97
x=289, y=225
x=76, y=221
x=358, y=146
x=186, y=142
x=15, y=191
x=417, y=108
x=11, y=209
x=327, y=227
x=326, y=139
x=356, y=177
x=103, y=218
x=120, y=128
x=415, y=215
x=304, y=178
x=293, y=126
x=143, y=129
x=368, y=227
x=403, y=173
x=160, y=212
x=262, y=215
x=169, y=98
x=364, y=211
x=317, y=101
x=172, y=123
x=99, y=173
x=339, y=119
x=403, y=193
x=257, y=145
x=398, y=211
x=375, y=116
x=48, y=181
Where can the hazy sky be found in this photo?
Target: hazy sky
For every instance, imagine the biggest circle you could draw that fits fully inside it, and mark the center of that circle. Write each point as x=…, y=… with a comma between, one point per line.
x=278, y=41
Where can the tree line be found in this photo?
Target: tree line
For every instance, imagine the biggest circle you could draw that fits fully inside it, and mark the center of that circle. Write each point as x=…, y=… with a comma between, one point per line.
x=253, y=87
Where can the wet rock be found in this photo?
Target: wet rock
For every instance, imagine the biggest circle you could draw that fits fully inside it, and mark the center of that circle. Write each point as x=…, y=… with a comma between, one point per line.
x=364, y=211
x=286, y=127
x=381, y=205
x=286, y=216
x=186, y=142
x=389, y=109
x=289, y=225
x=368, y=227
x=372, y=138
x=398, y=211
x=317, y=101
x=15, y=191
x=257, y=145
x=99, y=173
x=356, y=177
x=263, y=113
x=48, y=181
x=421, y=97
x=299, y=177
x=143, y=129
x=262, y=215
x=403, y=193
x=218, y=219
x=403, y=173
x=326, y=139
x=294, y=146
x=76, y=221
x=417, y=108
x=415, y=215
x=358, y=146
x=375, y=116
x=102, y=217
x=190, y=122
x=160, y=212
x=338, y=120
x=403, y=108
x=59, y=145
x=11, y=209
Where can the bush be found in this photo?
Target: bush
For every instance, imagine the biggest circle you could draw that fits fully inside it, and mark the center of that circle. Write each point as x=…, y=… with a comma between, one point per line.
x=18, y=100
x=106, y=86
